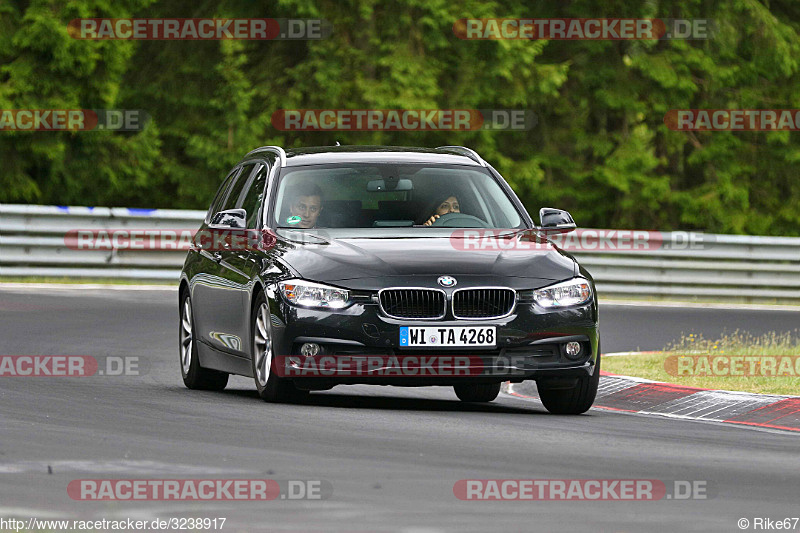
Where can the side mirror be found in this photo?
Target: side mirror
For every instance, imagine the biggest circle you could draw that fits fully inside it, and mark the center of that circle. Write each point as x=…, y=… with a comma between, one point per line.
x=232, y=218
x=556, y=220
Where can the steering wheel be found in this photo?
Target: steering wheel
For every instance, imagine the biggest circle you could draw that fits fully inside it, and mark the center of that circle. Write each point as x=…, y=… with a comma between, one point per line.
x=459, y=220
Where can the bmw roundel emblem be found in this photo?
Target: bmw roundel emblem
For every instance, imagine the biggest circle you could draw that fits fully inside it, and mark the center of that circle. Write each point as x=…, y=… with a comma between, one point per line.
x=447, y=281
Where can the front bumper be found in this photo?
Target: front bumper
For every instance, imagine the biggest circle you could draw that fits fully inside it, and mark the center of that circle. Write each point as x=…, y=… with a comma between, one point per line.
x=360, y=344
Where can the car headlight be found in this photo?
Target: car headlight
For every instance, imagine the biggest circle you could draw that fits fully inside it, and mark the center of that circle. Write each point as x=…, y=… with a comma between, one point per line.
x=309, y=294
x=567, y=293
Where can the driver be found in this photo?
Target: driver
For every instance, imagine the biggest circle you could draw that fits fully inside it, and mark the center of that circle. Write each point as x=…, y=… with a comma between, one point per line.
x=444, y=205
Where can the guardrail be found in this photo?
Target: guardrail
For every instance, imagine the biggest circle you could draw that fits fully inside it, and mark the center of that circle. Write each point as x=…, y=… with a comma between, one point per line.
x=32, y=242
x=725, y=267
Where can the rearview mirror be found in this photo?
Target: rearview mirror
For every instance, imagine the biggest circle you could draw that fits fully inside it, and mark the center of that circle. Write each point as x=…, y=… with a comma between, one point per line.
x=556, y=220
x=232, y=218
x=390, y=185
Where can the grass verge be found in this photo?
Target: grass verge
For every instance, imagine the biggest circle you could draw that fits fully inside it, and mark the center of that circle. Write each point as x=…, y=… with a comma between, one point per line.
x=769, y=364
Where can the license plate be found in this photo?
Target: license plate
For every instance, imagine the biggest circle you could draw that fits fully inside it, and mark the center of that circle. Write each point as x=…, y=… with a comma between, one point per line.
x=435, y=337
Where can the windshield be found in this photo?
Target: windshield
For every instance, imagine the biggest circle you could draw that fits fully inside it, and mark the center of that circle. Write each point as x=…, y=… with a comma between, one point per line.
x=390, y=195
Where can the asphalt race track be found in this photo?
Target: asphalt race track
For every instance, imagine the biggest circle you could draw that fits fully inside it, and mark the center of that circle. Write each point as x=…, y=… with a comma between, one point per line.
x=391, y=455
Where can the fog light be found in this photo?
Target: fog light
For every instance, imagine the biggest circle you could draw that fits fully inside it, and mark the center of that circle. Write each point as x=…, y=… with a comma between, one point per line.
x=309, y=349
x=573, y=350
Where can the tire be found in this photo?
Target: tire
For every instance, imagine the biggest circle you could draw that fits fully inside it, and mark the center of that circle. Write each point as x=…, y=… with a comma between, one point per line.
x=575, y=400
x=269, y=386
x=477, y=392
x=194, y=376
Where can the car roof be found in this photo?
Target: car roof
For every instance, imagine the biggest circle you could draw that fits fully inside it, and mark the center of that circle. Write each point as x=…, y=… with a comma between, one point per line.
x=319, y=155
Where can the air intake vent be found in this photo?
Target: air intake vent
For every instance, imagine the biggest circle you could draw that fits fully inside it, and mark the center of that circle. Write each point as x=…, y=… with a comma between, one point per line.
x=413, y=303
x=483, y=303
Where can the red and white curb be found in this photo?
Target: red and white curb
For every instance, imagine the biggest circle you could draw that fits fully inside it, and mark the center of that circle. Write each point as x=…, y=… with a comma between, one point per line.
x=646, y=397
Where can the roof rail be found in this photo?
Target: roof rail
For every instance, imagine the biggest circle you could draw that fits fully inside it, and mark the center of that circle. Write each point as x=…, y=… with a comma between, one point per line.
x=274, y=149
x=463, y=150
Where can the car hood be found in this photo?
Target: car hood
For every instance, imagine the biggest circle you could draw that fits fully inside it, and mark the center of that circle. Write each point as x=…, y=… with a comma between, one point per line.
x=341, y=259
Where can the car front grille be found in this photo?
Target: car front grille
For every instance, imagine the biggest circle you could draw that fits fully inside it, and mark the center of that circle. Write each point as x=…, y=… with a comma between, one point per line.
x=413, y=303
x=483, y=303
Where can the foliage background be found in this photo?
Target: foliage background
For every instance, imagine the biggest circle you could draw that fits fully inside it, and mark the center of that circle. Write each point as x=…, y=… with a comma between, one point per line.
x=600, y=150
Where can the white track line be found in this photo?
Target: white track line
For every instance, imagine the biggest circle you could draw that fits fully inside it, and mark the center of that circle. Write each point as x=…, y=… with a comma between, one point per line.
x=698, y=305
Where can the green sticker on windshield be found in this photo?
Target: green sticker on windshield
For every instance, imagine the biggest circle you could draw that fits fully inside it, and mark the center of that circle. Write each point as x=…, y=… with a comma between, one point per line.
x=294, y=220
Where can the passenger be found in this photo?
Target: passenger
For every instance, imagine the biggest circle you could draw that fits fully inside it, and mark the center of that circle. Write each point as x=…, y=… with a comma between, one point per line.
x=306, y=203
x=444, y=205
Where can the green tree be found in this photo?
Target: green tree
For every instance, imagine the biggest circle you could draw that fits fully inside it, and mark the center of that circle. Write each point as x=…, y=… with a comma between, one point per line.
x=600, y=147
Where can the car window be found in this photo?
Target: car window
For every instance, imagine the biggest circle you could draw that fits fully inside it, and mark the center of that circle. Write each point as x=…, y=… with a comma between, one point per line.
x=254, y=194
x=391, y=195
x=233, y=198
x=216, y=205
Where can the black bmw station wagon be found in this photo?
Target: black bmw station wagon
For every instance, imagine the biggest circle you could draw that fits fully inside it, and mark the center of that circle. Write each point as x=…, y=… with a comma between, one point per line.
x=385, y=266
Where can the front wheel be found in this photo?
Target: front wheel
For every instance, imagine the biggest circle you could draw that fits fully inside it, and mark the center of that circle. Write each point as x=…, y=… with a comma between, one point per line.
x=477, y=392
x=194, y=375
x=574, y=400
x=269, y=386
